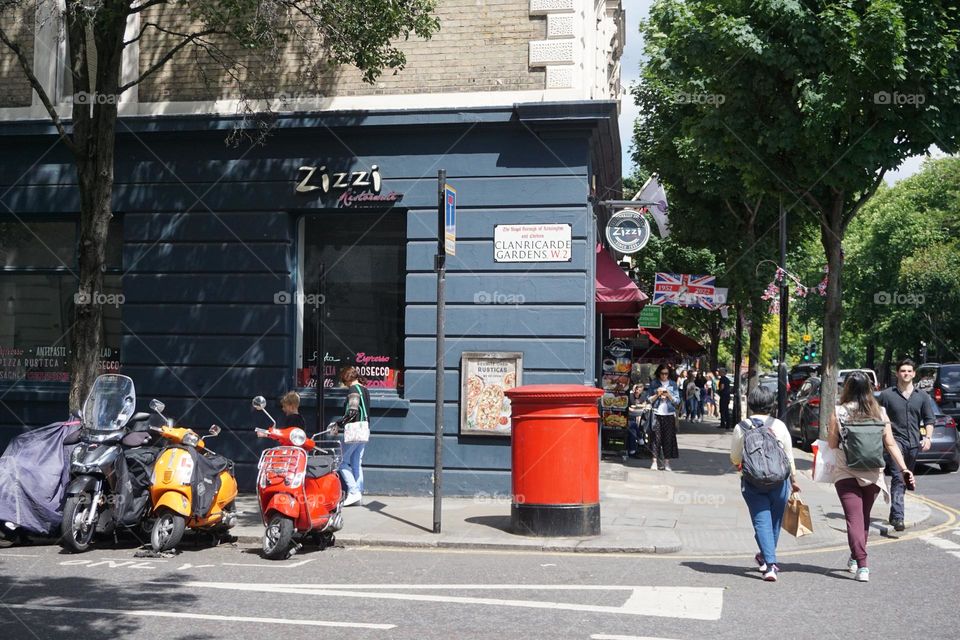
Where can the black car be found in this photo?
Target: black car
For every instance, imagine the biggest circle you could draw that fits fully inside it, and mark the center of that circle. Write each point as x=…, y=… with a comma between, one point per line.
x=942, y=383
x=803, y=412
x=944, y=450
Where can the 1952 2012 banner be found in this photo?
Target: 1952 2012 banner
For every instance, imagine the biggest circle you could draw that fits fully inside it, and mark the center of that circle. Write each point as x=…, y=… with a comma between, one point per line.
x=484, y=409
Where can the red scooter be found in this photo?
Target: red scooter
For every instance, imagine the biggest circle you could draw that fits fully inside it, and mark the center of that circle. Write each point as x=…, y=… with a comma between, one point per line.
x=298, y=488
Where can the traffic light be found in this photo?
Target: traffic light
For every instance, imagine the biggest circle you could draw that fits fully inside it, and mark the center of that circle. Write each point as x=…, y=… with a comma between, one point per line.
x=813, y=350
x=806, y=353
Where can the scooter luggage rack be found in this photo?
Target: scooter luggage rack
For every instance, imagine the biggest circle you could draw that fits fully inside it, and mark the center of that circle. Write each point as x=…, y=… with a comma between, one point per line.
x=282, y=461
x=330, y=447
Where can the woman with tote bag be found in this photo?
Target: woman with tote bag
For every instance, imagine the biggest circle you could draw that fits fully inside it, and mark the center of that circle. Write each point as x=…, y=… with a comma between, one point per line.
x=356, y=433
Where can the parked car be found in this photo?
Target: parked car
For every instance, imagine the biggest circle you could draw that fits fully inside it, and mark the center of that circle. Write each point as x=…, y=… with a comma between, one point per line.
x=945, y=449
x=843, y=373
x=800, y=372
x=803, y=412
x=942, y=383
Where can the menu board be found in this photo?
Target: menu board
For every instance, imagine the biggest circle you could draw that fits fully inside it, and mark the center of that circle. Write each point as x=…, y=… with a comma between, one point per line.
x=484, y=409
x=615, y=381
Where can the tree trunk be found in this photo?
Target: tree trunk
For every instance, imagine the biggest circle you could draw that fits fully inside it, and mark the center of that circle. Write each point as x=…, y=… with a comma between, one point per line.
x=831, y=237
x=94, y=136
x=870, y=360
x=884, y=372
x=756, y=334
x=715, y=328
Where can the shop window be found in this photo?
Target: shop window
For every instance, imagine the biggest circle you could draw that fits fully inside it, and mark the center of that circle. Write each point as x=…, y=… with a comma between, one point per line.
x=364, y=255
x=38, y=286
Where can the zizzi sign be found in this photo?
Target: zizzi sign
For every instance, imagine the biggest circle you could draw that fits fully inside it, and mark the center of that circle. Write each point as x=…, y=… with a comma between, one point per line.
x=354, y=188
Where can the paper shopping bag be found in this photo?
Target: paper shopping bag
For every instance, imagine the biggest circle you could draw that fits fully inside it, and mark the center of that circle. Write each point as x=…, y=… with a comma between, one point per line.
x=796, y=517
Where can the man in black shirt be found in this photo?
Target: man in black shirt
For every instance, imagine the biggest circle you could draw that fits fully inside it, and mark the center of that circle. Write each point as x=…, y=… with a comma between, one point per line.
x=725, y=390
x=911, y=416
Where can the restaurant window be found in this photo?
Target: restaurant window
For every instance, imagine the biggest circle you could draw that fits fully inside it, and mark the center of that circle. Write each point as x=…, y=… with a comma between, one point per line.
x=38, y=292
x=364, y=257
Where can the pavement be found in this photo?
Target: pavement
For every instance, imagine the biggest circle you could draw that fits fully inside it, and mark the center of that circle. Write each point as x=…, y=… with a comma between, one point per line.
x=696, y=509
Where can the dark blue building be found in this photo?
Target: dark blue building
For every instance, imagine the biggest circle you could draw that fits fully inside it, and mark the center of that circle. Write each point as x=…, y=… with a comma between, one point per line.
x=213, y=286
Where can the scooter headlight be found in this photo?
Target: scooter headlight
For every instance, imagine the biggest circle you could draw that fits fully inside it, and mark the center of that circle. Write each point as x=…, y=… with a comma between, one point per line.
x=191, y=439
x=298, y=437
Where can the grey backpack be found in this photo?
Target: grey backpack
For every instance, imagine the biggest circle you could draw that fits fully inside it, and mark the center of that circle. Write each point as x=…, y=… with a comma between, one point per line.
x=765, y=464
x=862, y=442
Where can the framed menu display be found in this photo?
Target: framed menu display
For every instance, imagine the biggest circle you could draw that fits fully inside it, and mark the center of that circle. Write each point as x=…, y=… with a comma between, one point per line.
x=484, y=409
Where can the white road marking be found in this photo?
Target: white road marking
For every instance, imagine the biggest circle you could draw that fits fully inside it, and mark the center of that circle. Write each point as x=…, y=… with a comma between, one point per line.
x=606, y=636
x=956, y=531
x=940, y=543
x=200, y=616
x=665, y=602
x=273, y=565
x=18, y=555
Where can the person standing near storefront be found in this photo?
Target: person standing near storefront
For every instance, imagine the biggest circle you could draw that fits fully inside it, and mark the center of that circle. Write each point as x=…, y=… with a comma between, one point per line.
x=710, y=397
x=701, y=381
x=912, y=418
x=355, y=410
x=664, y=395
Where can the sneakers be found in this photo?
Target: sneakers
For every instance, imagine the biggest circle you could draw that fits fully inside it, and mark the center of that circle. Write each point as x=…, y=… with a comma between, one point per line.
x=653, y=465
x=352, y=499
x=852, y=565
x=666, y=466
x=771, y=573
x=863, y=574
x=761, y=563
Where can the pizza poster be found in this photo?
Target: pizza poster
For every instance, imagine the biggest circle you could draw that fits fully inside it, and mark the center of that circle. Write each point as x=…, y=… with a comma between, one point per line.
x=484, y=408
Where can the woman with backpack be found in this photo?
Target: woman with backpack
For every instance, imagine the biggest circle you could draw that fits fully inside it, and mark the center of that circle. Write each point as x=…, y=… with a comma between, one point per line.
x=858, y=433
x=763, y=449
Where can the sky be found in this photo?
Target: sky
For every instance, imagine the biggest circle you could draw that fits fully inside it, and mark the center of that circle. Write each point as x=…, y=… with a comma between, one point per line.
x=636, y=10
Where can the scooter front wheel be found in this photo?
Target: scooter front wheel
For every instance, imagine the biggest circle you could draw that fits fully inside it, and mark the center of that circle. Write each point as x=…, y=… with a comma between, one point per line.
x=278, y=537
x=167, y=531
x=75, y=535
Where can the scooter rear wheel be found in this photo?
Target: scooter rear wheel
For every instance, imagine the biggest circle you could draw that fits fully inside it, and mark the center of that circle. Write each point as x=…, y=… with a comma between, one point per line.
x=167, y=531
x=278, y=537
x=75, y=537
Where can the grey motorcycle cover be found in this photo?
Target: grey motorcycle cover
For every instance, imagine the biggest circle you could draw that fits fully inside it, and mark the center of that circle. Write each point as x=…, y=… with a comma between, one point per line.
x=34, y=471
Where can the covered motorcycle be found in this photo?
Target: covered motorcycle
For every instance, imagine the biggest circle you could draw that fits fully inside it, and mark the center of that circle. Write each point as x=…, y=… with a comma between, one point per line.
x=34, y=470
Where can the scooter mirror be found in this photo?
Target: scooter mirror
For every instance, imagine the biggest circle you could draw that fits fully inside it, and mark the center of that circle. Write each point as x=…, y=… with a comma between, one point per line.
x=214, y=430
x=156, y=405
x=259, y=403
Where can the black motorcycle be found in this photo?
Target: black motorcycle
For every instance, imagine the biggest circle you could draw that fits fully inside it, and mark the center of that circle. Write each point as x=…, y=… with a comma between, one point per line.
x=110, y=466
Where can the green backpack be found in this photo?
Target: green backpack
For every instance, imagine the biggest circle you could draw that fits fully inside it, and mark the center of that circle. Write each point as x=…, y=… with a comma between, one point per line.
x=862, y=442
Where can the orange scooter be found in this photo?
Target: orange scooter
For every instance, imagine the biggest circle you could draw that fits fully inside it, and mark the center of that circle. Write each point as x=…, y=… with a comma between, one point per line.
x=298, y=488
x=192, y=487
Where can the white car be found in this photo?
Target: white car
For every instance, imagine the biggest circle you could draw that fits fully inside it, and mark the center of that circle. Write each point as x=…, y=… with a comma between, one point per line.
x=843, y=373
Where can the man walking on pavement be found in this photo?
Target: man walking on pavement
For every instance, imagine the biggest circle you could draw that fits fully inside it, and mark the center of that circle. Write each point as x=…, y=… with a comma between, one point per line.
x=911, y=416
x=725, y=390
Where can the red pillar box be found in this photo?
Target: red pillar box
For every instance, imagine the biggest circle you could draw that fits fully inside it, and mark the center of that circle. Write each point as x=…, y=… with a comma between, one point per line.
x=556, y=460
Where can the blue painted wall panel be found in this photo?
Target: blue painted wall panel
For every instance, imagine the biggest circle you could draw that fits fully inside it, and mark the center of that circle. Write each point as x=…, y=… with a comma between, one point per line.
x=499, y=289
x=497, y=320
x=540, y=353
x=473, y=222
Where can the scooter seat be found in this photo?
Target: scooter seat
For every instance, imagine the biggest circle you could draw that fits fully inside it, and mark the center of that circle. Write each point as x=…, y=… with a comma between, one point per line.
x=319, y=466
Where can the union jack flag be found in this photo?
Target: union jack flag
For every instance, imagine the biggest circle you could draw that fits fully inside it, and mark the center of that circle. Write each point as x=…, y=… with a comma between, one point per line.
x=684, y=290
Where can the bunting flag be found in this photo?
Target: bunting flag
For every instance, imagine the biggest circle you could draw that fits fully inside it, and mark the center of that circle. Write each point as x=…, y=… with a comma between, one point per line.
x=655, y=198
x=772, y=292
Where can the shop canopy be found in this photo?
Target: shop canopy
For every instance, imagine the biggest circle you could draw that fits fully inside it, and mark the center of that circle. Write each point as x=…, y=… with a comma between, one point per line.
x=616, y=294
x=666, y=337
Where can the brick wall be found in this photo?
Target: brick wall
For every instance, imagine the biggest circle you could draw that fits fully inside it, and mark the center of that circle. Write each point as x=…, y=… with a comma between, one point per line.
x=482, y=46
x=18, y=23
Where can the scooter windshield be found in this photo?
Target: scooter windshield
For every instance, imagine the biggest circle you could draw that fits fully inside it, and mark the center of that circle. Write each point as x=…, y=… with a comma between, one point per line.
x=110, y=403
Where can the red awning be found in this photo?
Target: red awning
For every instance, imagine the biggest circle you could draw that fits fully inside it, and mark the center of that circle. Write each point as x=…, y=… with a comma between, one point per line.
x=670, y=337
x=666, y=337
x=617, y=294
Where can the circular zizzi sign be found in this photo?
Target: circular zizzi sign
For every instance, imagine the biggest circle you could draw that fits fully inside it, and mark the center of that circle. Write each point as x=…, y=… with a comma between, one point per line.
x=628, y=231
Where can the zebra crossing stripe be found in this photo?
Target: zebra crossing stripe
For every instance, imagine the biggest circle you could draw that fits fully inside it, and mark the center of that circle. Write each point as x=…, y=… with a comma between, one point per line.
x=940, y=543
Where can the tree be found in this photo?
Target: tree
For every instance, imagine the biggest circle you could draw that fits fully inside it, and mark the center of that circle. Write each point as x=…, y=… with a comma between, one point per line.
x=710, y=205
x=814, y=102
x=242, y=39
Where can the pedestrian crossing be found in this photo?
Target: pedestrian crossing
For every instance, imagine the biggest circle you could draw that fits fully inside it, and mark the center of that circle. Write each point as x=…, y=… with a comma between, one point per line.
x=951, y=546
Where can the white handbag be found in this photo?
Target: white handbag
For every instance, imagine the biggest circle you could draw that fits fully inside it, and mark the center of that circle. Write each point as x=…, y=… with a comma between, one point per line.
x=358, y=431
